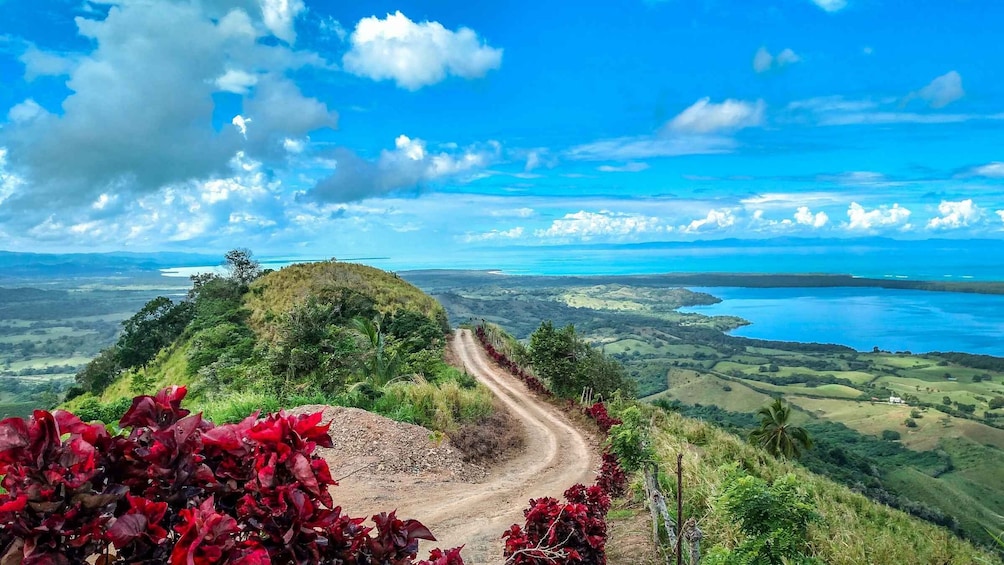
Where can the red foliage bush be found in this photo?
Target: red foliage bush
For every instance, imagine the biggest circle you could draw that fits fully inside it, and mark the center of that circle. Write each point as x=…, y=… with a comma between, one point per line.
x=177, y=489
x=532, y=382
x=611, y=477
x=557, y=533
x=598, y=412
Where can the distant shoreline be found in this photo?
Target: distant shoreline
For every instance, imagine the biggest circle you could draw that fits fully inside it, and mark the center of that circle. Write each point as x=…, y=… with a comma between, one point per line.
x=745, y=280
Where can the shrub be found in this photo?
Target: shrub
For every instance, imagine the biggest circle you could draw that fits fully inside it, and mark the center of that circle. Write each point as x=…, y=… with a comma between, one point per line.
x=774, y=517
x=598, y=412
x=174, y=488
x=556, y=533
x=630, y=441
x=890, y=435
x=910, y=423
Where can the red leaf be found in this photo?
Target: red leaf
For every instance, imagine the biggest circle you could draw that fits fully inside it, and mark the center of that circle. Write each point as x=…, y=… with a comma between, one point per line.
x=127, y=528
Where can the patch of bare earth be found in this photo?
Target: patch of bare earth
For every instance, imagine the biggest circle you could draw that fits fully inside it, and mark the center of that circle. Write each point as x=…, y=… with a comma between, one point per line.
x=629, y=537
x=385, y=465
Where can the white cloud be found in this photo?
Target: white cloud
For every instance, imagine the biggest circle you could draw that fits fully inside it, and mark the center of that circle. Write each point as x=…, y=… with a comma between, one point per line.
x=236, y=81
x=9, y=182
x=514, y=233
x=763, y=61
x=787, y=57
x=883, y=216
x=408, y=165
x=704, y=116
x=716, y=219
x=241, y=123
x=831, y=5
x=279, y=17
x=416, y=54
x=994, y=170
x=25, y=111
x=604, y=224
x=779, y=200
x=137, y=115
x=103, y=201
x=42, y=63
x=805, y=217
x=331, y=26
x=630, y=167
x=629, y=148
x=1001, y=214
x=295, y=146
x=513, y=213
x=943, y=90
x=955, y=214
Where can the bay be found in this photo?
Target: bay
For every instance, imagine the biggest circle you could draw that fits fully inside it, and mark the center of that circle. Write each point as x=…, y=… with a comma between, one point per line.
x=863, y=318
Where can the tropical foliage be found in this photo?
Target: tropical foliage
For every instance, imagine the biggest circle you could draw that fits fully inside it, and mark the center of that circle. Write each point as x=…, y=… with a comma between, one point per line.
x=777, y=434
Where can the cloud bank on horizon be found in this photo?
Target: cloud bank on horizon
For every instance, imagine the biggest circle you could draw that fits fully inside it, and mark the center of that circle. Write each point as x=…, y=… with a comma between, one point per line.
x=295, y=127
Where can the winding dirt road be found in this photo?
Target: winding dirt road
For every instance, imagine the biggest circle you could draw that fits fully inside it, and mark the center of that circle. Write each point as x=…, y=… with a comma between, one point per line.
x=557, y=455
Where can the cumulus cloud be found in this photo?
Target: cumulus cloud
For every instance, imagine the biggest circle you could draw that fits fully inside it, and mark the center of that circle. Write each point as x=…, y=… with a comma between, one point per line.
x=25, y=111
x=279, y=16
x=239, y=203
x=603, y=224
x=236, y=81
x=409, y=165
x=943, y=90
x=139, y=115
x=514, y=233
x=994, y=170
x=414, y=55
x=884, y=216
x=805, y=217
x=831, y=5
x=716, y=219
x=704, y=116
x=764, y=61
x=955, y=214
x=43, y=63
x=630, y=167
x=1001, y=214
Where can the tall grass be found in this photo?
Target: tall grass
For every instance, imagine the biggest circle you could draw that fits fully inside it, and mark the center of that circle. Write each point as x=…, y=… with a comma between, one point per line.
x=442, y=406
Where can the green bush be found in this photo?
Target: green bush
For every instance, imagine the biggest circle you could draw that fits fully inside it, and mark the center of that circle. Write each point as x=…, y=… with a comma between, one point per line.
x=774, y=517
x=90, y=410
x=630, y=440
x=890, y=435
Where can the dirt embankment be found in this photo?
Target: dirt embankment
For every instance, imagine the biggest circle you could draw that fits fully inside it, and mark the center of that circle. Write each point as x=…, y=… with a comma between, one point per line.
x=385, y=465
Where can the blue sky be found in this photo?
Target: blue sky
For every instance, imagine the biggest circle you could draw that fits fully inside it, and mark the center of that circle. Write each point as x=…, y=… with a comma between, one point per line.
x=432, y=128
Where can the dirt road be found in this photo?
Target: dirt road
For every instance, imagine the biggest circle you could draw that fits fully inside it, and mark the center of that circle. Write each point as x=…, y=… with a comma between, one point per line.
x=557, y=455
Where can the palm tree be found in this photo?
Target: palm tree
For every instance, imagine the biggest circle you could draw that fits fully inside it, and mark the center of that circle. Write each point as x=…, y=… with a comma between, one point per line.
x=776, y=434
x=382, y=367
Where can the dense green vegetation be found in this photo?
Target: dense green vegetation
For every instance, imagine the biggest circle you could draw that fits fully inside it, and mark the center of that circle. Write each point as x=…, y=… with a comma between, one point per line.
x=569, y=365
x=328, y=332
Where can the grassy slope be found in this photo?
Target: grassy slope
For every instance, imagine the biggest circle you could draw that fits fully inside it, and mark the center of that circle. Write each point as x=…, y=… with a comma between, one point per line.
x=854, y=529
x=277, y=292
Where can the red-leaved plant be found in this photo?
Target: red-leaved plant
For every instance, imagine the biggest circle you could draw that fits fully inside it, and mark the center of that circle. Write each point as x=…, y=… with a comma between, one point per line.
x=174, y=488
x=532, y=382
x=598, y=412
x=559, y=533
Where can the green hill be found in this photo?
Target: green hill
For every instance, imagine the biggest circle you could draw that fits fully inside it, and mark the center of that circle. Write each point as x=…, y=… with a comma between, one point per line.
x=329, y=332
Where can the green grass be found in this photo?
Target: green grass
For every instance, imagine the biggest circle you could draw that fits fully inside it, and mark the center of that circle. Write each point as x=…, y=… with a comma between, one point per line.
x=853, y=530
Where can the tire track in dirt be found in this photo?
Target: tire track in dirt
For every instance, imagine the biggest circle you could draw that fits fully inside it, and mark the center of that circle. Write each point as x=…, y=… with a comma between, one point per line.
x=556, y=456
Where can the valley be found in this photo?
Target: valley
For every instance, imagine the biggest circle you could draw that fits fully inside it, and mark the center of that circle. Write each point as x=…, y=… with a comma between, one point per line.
x=937, y=452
